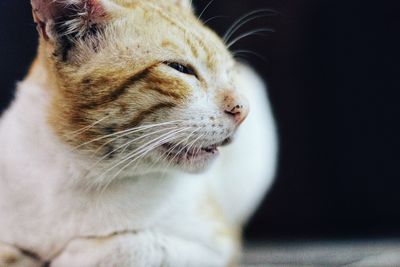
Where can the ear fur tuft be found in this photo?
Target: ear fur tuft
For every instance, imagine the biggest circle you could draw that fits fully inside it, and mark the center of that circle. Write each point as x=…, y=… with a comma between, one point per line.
x=77, y=15
x=65, y=21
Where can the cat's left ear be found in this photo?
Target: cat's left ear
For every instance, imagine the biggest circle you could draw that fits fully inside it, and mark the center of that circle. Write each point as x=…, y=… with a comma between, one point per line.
x=73, y=18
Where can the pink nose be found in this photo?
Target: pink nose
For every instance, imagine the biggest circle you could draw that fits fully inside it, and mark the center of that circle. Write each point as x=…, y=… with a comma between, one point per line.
x=236, y=107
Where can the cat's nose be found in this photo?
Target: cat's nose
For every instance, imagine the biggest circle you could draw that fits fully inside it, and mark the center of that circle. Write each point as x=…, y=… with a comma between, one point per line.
x=235, y=106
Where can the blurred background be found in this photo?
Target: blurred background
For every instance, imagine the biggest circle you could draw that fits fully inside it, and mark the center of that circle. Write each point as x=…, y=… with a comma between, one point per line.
x=333, y=70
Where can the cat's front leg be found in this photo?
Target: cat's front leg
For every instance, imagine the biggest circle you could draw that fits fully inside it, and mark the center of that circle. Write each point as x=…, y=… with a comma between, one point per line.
x=11, y=256
x=145, y=249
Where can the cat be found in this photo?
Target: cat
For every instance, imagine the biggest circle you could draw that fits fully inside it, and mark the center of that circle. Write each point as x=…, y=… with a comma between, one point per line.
x=136, y=139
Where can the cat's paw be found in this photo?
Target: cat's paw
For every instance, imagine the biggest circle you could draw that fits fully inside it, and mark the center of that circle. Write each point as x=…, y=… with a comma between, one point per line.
x=13, y=257
x=96, y=252
x=144, y=249
x=81, y=253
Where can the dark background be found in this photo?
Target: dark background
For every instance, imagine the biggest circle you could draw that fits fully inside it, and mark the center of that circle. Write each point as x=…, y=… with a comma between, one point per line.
x=333, y=70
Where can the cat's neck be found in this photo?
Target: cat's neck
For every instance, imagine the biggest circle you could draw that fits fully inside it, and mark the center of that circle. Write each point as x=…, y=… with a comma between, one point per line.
x=27, y=140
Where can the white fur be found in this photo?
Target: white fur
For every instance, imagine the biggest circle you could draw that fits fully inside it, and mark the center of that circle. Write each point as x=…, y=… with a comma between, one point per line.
x=157, y=219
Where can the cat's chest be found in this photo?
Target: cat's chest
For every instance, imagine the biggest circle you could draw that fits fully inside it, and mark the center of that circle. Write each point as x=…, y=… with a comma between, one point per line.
x=127, y=207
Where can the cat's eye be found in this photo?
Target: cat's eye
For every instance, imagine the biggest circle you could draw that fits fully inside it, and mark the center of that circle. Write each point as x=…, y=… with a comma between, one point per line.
x=181, y=68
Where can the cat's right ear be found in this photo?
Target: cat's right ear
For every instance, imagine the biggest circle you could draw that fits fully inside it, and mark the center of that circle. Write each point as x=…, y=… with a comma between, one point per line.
x=71, y=18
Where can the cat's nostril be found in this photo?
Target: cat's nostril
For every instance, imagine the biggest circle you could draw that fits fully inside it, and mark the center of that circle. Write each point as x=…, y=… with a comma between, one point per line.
x=238, y=112
x=234, y=110
x=235, y=106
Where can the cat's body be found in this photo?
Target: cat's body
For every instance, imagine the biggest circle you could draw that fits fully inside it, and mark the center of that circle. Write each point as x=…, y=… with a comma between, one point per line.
x=157, y=216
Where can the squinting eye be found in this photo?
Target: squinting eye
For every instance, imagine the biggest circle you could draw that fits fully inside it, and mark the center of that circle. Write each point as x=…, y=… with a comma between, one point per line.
x=181, y=68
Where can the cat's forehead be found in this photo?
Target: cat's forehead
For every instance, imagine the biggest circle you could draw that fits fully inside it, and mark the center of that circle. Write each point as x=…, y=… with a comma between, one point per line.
x=169, y=31
x=182, y=4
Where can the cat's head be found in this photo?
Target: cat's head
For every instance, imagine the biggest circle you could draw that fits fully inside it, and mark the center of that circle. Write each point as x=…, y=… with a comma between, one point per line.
x=138, y=83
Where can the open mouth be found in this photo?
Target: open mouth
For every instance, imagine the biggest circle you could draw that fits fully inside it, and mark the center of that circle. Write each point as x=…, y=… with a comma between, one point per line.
x=181, y=153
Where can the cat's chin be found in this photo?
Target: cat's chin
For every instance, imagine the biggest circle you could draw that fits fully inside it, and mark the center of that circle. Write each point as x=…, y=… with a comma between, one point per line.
x=193, y=160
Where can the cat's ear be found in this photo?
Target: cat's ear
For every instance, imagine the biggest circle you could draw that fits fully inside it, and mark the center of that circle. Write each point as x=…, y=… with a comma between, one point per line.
x=67, y=18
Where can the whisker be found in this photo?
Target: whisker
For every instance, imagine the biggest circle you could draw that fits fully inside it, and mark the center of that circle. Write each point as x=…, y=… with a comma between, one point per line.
x=192, y=143
x=182, y=141
x=245, y=19
x=244, y=51
x=212, y=18
x=237, y=28
x=131, y=141
x=184, y=147
x=169, y=151
x=244, y=35
x=128, y=143
x=127, y=131
x=140, y=149
x=169, y=139
x=163, y=155
x=84, y=129
x=170, y=161
x=199, y=148
x=144, y=152
x=132, y=161
x=205, y=9
x=173, y=148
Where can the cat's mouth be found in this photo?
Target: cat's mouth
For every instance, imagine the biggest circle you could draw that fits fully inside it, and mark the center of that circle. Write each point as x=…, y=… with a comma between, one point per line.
x=181, y=153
